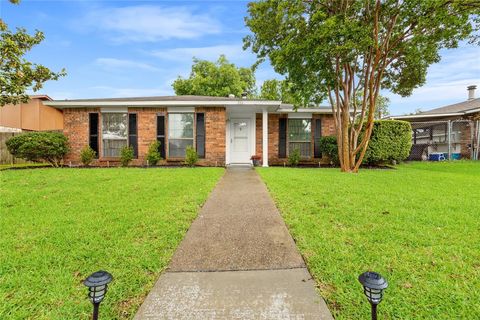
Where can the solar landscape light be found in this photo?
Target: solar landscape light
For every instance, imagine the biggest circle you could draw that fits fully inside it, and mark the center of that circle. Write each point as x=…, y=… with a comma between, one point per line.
x=97, y=284
x=373, y=286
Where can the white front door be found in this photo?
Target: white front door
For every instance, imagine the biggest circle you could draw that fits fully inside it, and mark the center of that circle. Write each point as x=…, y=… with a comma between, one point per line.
x=240, y=141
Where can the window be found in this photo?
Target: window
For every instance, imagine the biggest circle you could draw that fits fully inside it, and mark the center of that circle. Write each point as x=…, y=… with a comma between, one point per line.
x=114, y=133
x=180, y=133
x=299, y=136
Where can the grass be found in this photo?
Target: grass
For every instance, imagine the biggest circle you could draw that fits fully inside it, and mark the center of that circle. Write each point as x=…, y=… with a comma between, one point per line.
x=419, y=226
x=23, y=165
x=60, y=225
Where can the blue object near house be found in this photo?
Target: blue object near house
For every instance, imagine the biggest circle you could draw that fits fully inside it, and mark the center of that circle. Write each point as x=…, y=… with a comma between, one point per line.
x=437, y=156
x=456, y=156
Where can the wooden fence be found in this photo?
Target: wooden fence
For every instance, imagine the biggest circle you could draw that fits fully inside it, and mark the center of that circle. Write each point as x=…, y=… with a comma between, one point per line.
x=5, y=156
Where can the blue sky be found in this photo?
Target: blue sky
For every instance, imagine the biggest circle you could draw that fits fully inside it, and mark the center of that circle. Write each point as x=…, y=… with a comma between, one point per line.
x=137, y=48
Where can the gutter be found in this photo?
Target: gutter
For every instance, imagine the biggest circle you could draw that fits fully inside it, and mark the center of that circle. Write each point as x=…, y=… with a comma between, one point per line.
x=415, y=116
x=82, y=104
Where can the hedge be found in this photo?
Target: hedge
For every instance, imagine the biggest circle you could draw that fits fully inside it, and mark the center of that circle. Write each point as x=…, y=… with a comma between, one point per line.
x=391, y=140
x=39, y=146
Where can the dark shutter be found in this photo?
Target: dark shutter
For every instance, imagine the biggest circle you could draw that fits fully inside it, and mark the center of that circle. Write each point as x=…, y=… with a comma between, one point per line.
x=93, y=132
x=317, y=153
x=282, y=138
x=200, y=138
x=132, y=133
x=161, y=135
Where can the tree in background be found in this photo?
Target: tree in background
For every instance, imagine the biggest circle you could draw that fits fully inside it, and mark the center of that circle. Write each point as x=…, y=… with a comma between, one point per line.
x=278, y=90
x=17, y=74
x=381, y=106
x=219, y=79
x=337, y=48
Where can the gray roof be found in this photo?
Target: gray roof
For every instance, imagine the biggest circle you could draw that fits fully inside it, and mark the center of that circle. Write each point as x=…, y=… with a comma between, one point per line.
x=165, y=98
x=455, y=108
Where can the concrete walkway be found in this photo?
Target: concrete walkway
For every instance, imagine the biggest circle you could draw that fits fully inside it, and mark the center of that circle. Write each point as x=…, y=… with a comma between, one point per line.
x=237, y=261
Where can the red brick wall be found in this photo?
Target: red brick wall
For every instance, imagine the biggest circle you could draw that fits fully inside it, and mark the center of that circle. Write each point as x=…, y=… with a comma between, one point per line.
x=215, y=144
x=147, y=130
x=76, y=129
x=328, y=129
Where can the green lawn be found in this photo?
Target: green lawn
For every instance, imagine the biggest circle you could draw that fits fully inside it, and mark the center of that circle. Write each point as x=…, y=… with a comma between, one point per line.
x=60, y=225
x=418, y=225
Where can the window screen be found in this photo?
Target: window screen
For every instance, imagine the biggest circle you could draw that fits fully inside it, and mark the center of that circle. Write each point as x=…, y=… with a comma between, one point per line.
x=299, y=136
x=114, y=133
x=180, y=133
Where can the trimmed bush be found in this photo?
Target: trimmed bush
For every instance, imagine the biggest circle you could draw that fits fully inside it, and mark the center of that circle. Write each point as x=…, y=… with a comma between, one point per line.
x=329, y=147
x=391, y=140
x=191, y=156
x=48, y=147
x=126, y=156
x=87, y=155
x=153, y=156
x=294, y=158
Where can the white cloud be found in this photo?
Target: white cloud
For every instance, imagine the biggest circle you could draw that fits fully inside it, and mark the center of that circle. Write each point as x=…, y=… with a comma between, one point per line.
x=446, y=83
x=233, y=52
x=149, y=23
x=120, y=64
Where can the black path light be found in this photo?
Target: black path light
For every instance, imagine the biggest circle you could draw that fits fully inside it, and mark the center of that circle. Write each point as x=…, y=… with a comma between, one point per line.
x=373, y=285
x=97, y=284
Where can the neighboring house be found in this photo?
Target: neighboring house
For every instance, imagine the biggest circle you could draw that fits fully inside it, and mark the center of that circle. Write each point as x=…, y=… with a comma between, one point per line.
x=452, y=130
x=31, y=116
x=222, y=130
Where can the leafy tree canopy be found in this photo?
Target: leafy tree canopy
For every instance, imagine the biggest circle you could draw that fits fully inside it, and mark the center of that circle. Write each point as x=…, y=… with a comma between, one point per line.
x=337, y=48
x=219, y=78
x=278, y=90
x=17, y=74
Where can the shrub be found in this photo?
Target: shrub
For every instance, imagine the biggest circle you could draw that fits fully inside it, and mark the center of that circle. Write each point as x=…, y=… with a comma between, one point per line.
x=126, y=156
x=191, y=156
x=294, y=158
x=87, y=155
x=153, y=156
x=391, y=141
x=39, y=146
x=329, y=147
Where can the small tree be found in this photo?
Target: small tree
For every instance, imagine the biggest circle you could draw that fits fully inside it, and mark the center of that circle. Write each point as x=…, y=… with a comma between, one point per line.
x=18, y=74
x=50, y=147
x=191, y=156
x=126, y=156
x=153, y=156
x=87, y=155
x=337, y=49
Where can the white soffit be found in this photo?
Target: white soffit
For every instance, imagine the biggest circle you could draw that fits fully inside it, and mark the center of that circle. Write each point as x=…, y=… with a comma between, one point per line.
x=181, y=109
x=302, y=115
x=114, y=110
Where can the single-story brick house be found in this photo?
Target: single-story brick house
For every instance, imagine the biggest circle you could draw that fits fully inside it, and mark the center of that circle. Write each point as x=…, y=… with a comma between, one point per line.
x=453, y=130
x=223, y=131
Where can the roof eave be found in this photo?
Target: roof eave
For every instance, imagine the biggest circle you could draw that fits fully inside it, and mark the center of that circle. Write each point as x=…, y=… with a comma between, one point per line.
x=82, y=104
x=416, y=116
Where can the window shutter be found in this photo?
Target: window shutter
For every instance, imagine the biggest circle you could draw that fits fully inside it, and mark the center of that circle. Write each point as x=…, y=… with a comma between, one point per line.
x=132, y=133
x=161, y=134
x=200, y=138
x=317, y=153
x=93, y=132
x=282, y=138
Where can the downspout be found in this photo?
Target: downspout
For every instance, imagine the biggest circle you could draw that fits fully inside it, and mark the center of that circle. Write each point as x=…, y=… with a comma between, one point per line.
x=449, y=130
x=477, y=147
